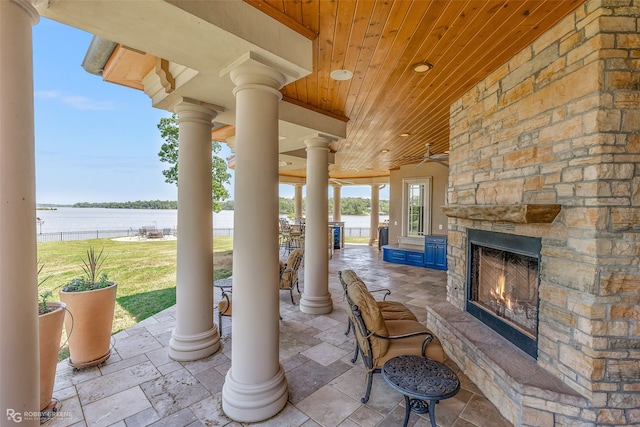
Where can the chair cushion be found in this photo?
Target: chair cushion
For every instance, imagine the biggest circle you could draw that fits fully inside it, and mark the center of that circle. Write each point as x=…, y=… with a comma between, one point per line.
x=289, y=271
x=410, y=346
x=371, y=313
x=225, y=307
x=393, y=310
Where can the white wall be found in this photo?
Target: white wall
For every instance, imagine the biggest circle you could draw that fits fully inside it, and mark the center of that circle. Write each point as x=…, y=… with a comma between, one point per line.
x=439, y=181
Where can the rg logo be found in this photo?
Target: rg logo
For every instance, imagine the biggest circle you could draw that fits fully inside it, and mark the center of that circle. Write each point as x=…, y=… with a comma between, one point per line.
x=14, y=416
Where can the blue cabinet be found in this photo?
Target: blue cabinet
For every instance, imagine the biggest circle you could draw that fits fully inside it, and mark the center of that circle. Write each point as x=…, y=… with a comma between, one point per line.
x=402, y=256
x=338, y=234
x=435, y=252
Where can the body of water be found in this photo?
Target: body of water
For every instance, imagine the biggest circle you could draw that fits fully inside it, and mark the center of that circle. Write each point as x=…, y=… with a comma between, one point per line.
x=92, y=219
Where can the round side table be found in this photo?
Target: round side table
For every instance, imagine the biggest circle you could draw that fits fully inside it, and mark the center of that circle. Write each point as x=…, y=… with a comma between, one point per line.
x=422, y=381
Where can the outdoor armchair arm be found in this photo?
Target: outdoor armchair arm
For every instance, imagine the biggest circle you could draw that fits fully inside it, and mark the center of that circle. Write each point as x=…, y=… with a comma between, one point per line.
x=226, y=294
x=427, y=340
x=386, y=291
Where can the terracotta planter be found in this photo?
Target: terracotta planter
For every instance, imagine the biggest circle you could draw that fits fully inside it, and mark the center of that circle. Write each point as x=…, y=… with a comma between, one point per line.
x=89, y=324
x=50, y=331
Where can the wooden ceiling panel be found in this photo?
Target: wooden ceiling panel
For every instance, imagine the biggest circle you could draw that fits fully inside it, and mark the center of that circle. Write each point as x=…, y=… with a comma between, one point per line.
x=379, y=41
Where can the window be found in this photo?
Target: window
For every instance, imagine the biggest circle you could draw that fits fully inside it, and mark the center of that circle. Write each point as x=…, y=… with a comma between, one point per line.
x=417, y=207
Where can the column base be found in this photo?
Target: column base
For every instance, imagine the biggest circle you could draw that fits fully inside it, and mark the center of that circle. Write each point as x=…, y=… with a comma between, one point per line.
x=184, y=348
x=254, y=402
x=316, y=305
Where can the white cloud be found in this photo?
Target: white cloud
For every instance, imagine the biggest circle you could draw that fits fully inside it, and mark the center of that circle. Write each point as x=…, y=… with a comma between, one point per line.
x=84, y=103
x=47, y=94
x=76, y=101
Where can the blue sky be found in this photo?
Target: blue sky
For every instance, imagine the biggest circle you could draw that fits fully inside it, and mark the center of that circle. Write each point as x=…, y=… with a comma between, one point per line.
x=97, y=141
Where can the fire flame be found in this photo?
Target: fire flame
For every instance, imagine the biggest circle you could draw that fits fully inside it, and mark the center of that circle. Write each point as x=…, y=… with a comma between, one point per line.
x=498, y=294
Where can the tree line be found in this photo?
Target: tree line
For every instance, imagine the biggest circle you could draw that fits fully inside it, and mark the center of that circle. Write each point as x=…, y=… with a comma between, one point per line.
x=349, y=205
x=138, y=204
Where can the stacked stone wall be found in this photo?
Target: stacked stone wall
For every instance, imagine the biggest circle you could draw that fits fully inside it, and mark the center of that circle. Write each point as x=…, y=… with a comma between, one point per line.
x=560, y=123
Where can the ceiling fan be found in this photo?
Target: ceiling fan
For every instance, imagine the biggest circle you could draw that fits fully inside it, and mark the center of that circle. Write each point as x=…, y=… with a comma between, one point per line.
x=438, y=158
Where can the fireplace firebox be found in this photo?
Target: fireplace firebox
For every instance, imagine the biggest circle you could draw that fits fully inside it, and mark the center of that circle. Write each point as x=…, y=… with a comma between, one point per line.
x=503, y=276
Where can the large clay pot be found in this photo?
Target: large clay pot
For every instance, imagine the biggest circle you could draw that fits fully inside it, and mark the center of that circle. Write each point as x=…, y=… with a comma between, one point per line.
x=50, y=332
x=89, y=324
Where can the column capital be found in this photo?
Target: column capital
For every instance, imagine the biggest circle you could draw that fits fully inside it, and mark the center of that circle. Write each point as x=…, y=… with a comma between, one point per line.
x=251, y=71
x=189, y=111
x=31, y=11
x=318, y=141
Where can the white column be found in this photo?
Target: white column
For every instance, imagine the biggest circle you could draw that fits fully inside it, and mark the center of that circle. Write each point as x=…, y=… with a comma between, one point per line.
x=337, y=214
x=255, y=387
x=375, y=212
x=316, y=298
x=297, y=210
x=196, y=335
x=19, y=360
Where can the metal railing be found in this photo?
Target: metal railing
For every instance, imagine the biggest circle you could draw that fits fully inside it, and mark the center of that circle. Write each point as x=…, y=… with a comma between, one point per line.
x=357, y=232
x=63, y=236
x=83, y=235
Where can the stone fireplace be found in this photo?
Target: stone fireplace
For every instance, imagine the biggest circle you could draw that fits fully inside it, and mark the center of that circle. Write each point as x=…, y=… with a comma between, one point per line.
x=503, y=274
x=548, y=147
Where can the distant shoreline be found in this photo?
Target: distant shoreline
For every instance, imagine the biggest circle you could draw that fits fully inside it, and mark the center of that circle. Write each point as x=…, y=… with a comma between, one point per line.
x=69, y=219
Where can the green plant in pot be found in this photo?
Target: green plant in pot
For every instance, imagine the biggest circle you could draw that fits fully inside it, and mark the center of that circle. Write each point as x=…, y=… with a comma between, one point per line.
x=90, y=301
x=50, y=321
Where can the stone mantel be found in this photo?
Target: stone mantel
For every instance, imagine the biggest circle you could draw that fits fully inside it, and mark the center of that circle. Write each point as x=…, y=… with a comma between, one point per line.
x=522, y=214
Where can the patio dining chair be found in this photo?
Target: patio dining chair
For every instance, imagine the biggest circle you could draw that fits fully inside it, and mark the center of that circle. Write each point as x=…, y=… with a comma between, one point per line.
x=284, y=230
x=289, y=272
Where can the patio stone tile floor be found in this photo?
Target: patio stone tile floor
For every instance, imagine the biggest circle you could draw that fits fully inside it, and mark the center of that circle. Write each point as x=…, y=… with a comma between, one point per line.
x=139, y=385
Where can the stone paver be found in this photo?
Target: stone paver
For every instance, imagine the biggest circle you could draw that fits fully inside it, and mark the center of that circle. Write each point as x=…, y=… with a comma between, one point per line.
x=141, y=386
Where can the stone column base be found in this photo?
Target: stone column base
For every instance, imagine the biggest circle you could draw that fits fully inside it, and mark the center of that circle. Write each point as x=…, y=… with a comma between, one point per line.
x=316, y=305
x=184, y=348
x=254, y=402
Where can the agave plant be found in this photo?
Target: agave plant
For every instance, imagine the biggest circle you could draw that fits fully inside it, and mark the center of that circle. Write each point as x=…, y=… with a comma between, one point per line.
x=94, y=278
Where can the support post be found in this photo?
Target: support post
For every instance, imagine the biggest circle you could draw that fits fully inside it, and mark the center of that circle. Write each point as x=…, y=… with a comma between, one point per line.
x=316, y=298
x=255, y=387
x=19, y=364
x=196, y=335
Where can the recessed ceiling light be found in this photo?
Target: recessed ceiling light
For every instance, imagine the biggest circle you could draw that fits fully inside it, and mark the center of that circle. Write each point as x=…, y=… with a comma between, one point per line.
x=404, y=134
x=422, y=67
x=341, y=75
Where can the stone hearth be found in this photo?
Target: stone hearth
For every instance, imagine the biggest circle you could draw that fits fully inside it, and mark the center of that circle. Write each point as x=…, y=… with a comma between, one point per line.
x=526, y=391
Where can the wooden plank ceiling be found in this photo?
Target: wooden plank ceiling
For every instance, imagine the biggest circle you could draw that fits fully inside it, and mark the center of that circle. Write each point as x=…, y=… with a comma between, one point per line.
x=379, y=41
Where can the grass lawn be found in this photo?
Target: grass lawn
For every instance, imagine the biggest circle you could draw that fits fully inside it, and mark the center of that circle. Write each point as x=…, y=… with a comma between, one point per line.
x=357, y=240
x=145, y=272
